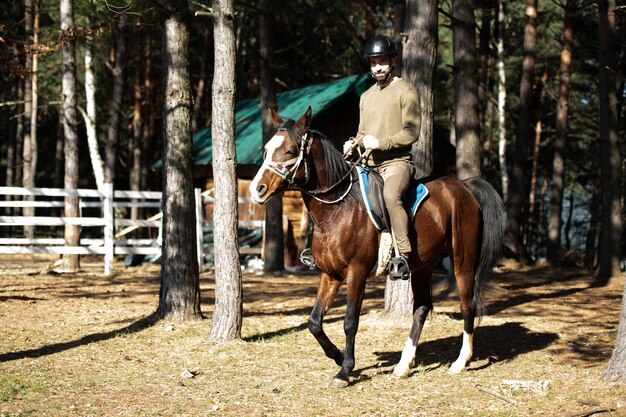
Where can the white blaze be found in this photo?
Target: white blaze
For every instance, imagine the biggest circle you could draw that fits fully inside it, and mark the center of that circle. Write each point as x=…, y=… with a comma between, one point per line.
x=270, y=148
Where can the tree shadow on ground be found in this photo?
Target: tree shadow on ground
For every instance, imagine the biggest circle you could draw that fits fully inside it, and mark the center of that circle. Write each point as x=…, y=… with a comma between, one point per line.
x=492, y=344
x=282, y=332
x=501, y=305
x=136, y=326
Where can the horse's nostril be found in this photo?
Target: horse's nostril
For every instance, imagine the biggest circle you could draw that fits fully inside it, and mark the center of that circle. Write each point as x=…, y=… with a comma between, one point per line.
x=261, y=189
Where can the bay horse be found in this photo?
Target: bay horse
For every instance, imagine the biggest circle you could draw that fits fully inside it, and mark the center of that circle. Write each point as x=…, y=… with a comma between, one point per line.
x=464, y=220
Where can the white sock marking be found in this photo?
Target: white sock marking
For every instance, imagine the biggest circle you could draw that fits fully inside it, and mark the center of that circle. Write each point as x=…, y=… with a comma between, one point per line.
x=407, y=359
x=465, y=354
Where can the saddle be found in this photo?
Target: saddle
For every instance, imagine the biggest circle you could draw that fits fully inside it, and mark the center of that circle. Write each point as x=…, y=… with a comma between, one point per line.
x=371, y=184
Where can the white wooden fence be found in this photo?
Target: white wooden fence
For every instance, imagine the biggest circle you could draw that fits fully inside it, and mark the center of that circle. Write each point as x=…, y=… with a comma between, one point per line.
x=109, y=201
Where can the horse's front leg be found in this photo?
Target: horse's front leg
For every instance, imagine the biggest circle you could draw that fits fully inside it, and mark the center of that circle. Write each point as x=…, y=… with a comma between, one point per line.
x=422, y=305
x=355, y=292
x=326, y=293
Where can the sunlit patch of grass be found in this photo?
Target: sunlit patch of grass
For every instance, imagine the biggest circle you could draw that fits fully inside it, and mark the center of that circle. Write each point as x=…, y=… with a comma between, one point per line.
x=23, y=413
x=95, y=411
x=10, y=387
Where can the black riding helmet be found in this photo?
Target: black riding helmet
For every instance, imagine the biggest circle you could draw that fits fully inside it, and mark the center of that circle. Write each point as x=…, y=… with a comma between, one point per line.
x=380, y=46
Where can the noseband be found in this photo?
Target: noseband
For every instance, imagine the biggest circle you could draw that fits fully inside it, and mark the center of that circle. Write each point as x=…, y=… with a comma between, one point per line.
x=287, y=171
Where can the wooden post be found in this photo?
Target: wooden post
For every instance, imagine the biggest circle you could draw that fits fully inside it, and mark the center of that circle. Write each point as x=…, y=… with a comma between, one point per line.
x=199, y=235
x=109, y=228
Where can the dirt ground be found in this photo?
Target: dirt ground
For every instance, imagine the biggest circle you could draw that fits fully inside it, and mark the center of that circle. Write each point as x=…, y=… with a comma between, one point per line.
x=80, y=345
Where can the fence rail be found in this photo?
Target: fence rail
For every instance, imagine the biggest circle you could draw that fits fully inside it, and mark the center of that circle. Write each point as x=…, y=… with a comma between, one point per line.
x=108, y=201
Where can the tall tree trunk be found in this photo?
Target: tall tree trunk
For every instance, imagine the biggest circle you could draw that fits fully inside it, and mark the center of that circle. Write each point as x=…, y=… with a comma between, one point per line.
x=611, y=231
x=34, y=93
x=70, y=128
x=273, y=242
x=518, y=190
x=18, y=126
x=502, y=145
x=227, y=316
x=532, y=223
x=110, y=153
x=90, y=115
x=419, y=54
x=485, y=62
x=610, y=241
x=558, y=162
x=179, y=295
x=149, y=109
x=419, y=57
x=137, y=123
x=28, y=176
x=466, y=122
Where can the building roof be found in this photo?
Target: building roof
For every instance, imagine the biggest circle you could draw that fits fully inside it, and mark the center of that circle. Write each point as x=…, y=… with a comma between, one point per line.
x=326, y=101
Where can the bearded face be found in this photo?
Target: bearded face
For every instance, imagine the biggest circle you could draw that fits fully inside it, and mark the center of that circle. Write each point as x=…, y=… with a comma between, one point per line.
x=381, y=67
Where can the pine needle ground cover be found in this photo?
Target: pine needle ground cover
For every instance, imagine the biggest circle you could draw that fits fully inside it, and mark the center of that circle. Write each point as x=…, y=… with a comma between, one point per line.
x=84, y=345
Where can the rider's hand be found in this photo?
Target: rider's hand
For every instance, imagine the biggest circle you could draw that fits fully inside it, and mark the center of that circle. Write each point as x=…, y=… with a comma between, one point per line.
x=347, y=146
x=370, y=142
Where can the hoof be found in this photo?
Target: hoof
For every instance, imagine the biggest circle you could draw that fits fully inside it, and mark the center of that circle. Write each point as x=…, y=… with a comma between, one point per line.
x=400, y=373
x=338, y=383
x=457, y=368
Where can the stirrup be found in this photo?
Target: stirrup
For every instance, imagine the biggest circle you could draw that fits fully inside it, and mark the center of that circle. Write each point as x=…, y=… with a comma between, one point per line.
x=399, y=268
x=307, y=259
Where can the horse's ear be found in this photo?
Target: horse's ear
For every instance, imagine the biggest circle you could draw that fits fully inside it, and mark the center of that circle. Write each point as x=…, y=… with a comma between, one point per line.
x=305, y=119
x=276, y=119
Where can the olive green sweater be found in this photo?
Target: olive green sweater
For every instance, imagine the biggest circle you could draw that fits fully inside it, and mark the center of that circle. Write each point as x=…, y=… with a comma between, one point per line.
x=391, y=115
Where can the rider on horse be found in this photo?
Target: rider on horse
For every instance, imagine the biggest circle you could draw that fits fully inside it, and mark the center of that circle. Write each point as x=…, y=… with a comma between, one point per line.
x=389, y=124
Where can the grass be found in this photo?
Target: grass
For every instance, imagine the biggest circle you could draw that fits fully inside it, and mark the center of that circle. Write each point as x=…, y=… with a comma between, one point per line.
x=68, y=350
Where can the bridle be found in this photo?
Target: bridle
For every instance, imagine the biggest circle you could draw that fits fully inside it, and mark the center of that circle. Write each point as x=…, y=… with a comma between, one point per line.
x=287, y=171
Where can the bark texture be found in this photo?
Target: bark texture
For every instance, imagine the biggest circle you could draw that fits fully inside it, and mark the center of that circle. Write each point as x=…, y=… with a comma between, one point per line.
x=70, y=129
x=518, y=190
x=227, y=316
x=466, y=118
x=274, y=238
x=558, y=162
x=179, y=296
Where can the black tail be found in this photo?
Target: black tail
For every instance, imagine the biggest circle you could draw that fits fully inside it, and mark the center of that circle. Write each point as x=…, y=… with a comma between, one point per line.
x=495, y=227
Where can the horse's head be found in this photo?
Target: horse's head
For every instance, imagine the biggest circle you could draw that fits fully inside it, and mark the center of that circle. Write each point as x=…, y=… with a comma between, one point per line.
x=284, y=164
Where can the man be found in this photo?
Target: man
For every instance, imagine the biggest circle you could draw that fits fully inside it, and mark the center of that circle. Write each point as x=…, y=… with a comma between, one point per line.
x=389, y=124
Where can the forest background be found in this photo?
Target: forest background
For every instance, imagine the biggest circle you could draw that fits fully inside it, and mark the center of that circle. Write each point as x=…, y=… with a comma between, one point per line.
x=315, y=42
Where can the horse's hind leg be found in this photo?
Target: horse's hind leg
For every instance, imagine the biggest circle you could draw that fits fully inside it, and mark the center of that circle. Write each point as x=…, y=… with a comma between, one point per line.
x=422, y=305
x=465, y=282
x=326, y=293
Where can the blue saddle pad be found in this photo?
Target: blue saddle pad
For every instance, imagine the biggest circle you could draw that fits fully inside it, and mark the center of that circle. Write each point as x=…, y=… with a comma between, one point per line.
x=372, y=194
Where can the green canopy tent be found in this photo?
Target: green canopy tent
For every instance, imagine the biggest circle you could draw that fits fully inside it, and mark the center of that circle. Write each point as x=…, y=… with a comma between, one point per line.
x=335, y=110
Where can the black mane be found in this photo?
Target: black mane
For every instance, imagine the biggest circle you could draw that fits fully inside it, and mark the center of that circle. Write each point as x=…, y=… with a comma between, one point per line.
x=336, y=166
